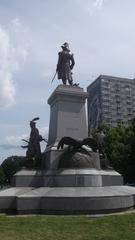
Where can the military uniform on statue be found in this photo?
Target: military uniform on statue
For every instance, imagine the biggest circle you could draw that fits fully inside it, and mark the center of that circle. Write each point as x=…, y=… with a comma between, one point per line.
x=65, y=64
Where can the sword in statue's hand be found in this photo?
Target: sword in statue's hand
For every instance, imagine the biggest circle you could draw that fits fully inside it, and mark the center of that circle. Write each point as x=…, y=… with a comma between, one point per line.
x=53, y=77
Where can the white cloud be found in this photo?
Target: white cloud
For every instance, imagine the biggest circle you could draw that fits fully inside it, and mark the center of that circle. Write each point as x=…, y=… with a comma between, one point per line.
x=98, y=3
x=44, y=132
x=90, y=6
x=13, y=54
x=15, y=140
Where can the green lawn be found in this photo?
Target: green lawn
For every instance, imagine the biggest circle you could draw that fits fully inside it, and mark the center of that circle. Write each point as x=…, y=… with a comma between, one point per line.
x=120, y=227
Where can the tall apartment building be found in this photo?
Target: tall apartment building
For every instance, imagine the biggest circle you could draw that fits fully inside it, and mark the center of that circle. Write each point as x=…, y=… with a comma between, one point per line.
x=111, y=100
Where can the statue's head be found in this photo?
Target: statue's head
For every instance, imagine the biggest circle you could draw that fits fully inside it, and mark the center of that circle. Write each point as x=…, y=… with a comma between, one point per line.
x=65, y=46
x=33, y=122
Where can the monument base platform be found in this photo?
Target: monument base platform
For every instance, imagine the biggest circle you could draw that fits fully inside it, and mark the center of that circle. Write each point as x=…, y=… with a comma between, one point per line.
x=67, y=200
x=67, y=191
x=67, y=178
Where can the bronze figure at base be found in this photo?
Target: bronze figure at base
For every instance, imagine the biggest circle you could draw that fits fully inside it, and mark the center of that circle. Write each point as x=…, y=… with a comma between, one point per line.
x=33, y=153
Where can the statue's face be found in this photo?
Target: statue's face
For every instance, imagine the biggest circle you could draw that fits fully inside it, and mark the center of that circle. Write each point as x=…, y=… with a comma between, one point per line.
x=32, y=124
x=65, y=49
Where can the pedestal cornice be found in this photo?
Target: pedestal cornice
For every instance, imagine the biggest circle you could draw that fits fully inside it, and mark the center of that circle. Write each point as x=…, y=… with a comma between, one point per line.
x=67, y=91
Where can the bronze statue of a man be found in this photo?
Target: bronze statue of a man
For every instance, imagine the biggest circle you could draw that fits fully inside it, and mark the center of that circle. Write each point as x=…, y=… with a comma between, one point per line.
x=65, y=64
x=34, y=141
x=33, y=148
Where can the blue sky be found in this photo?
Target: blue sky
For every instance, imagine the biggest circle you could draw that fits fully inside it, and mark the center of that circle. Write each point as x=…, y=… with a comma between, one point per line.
x=101, y=34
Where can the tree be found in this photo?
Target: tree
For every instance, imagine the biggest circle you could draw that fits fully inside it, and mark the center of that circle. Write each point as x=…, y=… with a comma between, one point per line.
x=12, y=164
x=120, y=149
x=3, y=178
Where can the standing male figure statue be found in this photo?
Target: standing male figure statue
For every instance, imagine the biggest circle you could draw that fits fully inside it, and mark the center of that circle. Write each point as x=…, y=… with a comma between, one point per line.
x=34, y=141
x=33, y=152
x=65, y=64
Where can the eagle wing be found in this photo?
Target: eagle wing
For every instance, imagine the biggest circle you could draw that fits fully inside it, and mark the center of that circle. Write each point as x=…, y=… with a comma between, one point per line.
x=67, y=141
x=91, y=143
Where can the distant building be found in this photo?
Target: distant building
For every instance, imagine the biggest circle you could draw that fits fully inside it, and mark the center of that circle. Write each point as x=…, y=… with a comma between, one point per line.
x=111, y=100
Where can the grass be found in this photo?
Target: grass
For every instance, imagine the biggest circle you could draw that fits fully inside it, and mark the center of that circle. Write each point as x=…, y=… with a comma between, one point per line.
x=114, y=227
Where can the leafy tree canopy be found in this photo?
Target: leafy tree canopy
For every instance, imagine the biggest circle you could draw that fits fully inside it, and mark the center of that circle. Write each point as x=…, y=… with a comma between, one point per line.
x=12, y=164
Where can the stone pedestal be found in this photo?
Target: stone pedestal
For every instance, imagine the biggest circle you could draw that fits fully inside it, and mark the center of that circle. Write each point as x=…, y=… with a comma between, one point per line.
x=68, y=115
x=67, y=118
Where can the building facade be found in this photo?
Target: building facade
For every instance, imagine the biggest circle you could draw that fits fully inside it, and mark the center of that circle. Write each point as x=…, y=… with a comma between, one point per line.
x=111, y=100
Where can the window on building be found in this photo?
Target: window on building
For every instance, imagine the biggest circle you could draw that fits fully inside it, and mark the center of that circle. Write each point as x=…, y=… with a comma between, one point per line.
x=118, y=108
x=129, y=121
x=127, y=88
x=119, y=121
x=119, y=113
x=117, y=96
x=128, y=102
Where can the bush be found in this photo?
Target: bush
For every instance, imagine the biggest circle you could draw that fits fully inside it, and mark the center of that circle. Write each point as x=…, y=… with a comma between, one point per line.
x=11, y=165
x=3, y=178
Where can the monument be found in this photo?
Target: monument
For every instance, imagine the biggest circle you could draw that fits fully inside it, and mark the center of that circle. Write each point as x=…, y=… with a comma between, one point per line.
x=70, y=179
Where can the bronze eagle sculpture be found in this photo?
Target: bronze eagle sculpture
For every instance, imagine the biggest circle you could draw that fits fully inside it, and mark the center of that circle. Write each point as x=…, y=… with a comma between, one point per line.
x=77, y=144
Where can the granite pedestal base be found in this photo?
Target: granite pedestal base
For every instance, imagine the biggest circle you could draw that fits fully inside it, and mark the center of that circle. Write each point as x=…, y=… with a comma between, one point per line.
x=69, y=200
x=76, y=200
x=67, y=191
x=67, y=178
